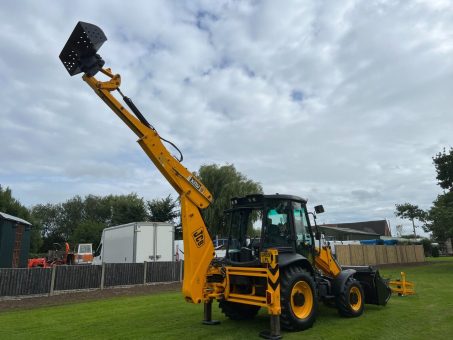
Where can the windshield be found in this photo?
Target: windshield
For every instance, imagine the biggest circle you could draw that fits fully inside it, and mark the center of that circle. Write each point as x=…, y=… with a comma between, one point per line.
x=85, y=249
x=245, y=226
x=278, y=231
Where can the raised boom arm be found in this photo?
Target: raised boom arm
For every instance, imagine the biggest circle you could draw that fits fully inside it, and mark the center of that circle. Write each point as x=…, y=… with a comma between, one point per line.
x=80, y=55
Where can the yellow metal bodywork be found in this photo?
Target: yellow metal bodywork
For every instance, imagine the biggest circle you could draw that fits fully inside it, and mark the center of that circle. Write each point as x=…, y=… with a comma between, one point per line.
x=401, y=286
x=198, y=246
x=269, y=273
x=193, y=195
x=325, y=261
x=270, y=258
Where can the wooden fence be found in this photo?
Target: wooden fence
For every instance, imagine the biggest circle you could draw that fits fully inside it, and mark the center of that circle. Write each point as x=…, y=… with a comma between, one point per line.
x=38, y=281
x=358, y=255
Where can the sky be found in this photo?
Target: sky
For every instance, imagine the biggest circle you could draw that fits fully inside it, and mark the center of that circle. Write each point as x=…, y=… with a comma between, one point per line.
x=341, y=102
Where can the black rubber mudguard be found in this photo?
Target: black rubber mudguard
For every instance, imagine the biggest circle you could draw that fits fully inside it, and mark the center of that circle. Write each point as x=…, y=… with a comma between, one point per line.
x=376, y=289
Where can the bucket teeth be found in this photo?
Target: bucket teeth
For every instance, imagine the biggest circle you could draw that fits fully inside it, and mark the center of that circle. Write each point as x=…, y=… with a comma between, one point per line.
x=80, y=51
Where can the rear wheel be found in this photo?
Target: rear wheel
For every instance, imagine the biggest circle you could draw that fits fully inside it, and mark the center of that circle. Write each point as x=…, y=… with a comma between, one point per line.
x=351, y=300
x=299, y=301
x=238, y=311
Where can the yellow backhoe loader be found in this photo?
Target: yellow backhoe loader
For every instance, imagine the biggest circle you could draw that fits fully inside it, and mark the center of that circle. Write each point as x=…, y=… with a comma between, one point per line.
x=284, y=270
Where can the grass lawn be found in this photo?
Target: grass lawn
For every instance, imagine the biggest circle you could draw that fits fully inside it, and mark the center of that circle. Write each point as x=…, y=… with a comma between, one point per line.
x=428, y=314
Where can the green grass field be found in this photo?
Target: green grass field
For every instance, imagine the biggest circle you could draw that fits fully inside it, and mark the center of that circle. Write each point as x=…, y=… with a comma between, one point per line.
x=428, y=314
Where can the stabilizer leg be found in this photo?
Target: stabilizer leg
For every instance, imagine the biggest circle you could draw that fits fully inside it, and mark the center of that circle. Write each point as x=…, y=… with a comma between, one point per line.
x=274, y=332
x=207, y=320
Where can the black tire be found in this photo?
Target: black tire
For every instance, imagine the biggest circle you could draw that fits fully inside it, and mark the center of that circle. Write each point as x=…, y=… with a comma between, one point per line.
x=350, y=302
x=238, y=311
x=299, y=300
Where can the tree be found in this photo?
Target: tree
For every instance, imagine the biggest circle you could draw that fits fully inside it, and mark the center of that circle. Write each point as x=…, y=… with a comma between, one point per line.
x=98, y=209
x=46, y=218
x=127, y=208
x=72, y=214
x=440, y=217
x=443, y=163
x=11, y=206
x=411, y=212
x=163, y=209
x=88, y=232
x=224, y=183
x=82, y=219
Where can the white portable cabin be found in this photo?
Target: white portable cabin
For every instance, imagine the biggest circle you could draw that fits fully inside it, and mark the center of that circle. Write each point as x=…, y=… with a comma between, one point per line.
x=136, y=242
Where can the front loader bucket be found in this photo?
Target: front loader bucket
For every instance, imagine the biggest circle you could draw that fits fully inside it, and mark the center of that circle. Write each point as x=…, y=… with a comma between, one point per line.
x=376, y=289
x=80, y=52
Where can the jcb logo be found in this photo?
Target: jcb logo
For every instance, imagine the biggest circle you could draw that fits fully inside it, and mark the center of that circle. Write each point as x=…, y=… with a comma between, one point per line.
x=195, y=183
x=198, y=237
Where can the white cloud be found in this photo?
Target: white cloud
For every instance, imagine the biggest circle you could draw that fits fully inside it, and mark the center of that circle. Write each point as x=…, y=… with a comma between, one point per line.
x=372, y=105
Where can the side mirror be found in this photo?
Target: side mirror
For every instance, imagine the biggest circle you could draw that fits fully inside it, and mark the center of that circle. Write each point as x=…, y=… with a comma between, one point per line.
x=319, y=209
x=318, y=235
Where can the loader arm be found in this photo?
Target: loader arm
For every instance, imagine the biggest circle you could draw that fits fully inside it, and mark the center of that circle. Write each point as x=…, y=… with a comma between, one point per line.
x=325, y=261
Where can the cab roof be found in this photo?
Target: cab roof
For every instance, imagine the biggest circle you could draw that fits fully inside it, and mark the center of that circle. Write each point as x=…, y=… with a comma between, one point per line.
x=259, y=199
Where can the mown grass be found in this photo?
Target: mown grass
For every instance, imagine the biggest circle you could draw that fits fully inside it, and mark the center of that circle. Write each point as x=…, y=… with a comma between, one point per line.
x=428, y=314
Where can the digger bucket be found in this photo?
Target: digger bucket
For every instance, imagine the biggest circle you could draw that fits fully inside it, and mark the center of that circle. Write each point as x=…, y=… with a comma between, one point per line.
x=376, y=289
x=80, y=52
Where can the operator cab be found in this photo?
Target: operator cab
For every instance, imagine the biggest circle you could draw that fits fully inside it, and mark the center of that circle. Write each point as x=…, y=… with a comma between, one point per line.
x=259, y=222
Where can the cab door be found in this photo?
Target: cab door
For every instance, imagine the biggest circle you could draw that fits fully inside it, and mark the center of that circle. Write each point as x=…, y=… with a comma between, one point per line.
x=304, y=237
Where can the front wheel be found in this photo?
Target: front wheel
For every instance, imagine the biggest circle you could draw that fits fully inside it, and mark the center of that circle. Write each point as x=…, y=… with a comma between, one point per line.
x=299, y=301
x=350, y=301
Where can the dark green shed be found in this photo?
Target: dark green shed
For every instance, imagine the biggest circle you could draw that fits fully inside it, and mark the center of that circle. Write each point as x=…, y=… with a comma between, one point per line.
x=14, y=241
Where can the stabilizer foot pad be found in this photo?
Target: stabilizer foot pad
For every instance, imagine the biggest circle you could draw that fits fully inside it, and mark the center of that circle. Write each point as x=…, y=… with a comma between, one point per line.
x=268, y=335
x=211, y=322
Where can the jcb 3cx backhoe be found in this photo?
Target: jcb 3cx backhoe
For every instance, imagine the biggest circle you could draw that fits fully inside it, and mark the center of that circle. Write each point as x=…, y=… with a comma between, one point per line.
x=285, y=270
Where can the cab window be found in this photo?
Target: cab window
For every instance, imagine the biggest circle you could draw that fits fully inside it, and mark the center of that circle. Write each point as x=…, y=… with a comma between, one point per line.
x=303, y=235
x=278, y=231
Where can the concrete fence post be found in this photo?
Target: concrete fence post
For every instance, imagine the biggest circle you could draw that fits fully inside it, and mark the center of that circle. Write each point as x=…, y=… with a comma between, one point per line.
x=181, y=264
x=145, y=268
x=102, y=275
x=52, y=280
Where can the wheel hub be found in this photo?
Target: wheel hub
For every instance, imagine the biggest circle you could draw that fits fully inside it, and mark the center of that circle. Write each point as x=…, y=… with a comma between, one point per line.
x=353, y=298
x=299, y=299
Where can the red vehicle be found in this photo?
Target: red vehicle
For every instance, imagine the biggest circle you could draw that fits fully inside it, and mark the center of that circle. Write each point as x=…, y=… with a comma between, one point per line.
x=60, y=256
